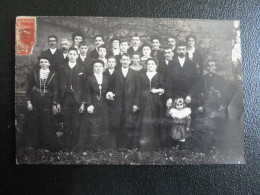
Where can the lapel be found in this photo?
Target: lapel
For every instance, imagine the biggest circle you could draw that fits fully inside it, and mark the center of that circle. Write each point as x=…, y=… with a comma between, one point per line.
x=129, y=75
x=37, y=77
x=49, y=78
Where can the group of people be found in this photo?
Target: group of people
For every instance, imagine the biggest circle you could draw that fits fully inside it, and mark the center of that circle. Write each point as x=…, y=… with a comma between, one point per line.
x=119, y=96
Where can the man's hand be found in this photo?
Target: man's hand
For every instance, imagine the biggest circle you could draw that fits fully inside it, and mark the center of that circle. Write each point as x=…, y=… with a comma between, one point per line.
x=58, y=108
x=82, y=108
x=90, y=109
x=29, y=106
x=54, y=110
x=169, y=103
x=200, y=109
x=135, y=108
x=188, y=99
x=110, y=96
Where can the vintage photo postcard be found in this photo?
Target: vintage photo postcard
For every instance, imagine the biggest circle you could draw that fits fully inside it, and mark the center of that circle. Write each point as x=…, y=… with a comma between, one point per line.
x=128, y=91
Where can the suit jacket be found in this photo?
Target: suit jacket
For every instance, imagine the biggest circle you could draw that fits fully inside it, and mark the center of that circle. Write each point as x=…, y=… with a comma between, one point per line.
x=51, y=84
x=94, y=54
x=198, y=60
x=180, y=80
x=131, y=50
x=159, y=55
x=126, y=95
x=54, y=58
x=108, y=75
x=87, y=65
x=78, y=83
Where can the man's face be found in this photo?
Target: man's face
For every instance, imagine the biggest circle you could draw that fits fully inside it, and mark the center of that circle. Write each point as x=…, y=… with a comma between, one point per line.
x=44, y=64
x=83, y=50
x=125, y=61
x=171, y=42
x=52, y=42
x=136, y=59
x=211, y=67
x=156, y=44
x=191, y=42
x=181, y=51
x=168, y=54
x=73, y=56
x=146, y=51
x=124, y=47
x=115, y=44
x=102, y=52
x=77, y=39
x=111, y=62
x=136, y=41
x=98, y=41
x=98, y=67
x=65, y=45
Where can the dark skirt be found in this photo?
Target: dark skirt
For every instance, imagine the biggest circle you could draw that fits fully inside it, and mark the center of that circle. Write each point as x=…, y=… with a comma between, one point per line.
x=40, y=125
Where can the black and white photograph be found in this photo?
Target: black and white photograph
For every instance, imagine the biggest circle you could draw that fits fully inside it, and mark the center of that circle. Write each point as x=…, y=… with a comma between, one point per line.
x=128, y=91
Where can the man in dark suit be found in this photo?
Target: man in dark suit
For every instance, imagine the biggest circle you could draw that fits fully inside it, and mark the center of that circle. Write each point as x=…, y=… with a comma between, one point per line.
x=172, y=41
x=98, y=42
x=125, y=92
x=83, y=59
x=53, y=53
x=164, y=63
x=71, y=98
x=136, y=43
x=182, y=75
x=65, y=44
x=157, y=52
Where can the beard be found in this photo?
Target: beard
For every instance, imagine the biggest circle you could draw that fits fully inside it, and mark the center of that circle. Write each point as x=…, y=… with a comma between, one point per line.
x=181, y=55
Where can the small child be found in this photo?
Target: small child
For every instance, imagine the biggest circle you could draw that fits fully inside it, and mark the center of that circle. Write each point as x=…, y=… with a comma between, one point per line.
x=181, y=119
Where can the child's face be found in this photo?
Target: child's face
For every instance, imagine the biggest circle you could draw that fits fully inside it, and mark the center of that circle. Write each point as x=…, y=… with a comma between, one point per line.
x=211, y=67
x=115, y=44
x=125, y=61
x=146, y=51
x=124, y=47
x=98, y=67
x=77, y=39
x=179, y=106
x=98, y=41
x=111, y=62
x=191, y=42
x=44, y=64
x=136, y=41
x=83, y=50
x=73, y=56
x=102, y=52
x=151, y=66
x=156, y=44
x=136, y=59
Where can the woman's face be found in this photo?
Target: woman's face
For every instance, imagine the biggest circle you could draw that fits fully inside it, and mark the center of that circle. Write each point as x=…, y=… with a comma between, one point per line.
x=191, y=42
x=44, y=64
x=146, y=51
x=151, y=66
x=136, y=59
x=98, y=67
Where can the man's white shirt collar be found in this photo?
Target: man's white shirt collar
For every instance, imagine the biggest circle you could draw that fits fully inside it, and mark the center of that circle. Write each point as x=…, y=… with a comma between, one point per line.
x=53, y=50
x=111, y=71
x=182, y=61
x=125, y=71
x=72, y=64
x=135, y=48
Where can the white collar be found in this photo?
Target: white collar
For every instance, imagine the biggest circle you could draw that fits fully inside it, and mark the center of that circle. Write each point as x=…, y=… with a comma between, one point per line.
x=53, y=50
x=150, y=75
x=83, y=57
x=111, y=71
x=135, y=48
x=125, y=71
x=65, y=55
x=181, y=60
x=99, y=78
x=72, y=64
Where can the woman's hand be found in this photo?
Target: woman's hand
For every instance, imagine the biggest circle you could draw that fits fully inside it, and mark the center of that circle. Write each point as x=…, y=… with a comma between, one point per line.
x=29, y=106
x=90, y=109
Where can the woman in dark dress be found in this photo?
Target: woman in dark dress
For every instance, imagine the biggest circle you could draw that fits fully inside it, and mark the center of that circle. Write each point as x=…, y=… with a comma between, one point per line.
x=194, y=54
x=41, y=103
x=151, y=110
x=94, y=131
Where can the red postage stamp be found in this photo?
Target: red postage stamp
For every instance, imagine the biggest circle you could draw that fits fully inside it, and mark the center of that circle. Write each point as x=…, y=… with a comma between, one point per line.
x=25, y=35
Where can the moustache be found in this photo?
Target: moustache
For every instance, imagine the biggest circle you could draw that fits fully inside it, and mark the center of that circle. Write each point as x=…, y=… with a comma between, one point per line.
x=181, y=54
